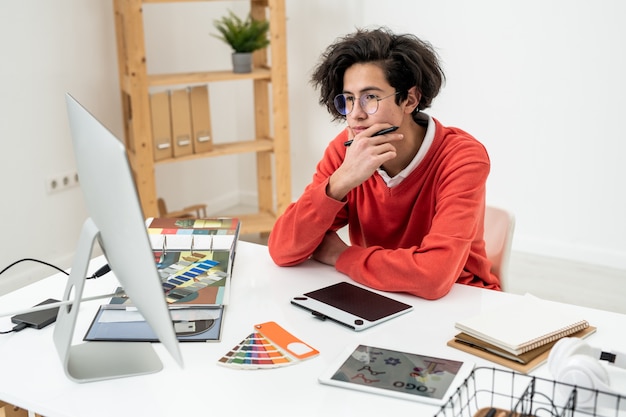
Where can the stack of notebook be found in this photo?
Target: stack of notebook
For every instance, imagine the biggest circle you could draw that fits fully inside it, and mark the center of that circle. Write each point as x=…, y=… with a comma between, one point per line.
x=519, y=335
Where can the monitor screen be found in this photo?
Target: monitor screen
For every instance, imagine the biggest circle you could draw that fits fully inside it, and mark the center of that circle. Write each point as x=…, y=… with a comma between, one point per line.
x=116, y=222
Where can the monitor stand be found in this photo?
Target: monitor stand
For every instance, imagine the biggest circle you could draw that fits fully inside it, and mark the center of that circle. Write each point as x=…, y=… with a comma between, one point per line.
x=95, y=361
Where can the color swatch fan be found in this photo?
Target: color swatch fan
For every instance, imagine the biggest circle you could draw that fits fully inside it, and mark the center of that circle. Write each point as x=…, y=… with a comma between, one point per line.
x=270, y=346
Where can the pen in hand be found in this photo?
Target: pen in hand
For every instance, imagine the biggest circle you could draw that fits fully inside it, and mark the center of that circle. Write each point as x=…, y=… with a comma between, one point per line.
x=380, y=132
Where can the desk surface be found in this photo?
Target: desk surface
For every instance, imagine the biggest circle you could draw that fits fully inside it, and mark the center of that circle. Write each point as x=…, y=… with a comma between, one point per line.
x=31, y=375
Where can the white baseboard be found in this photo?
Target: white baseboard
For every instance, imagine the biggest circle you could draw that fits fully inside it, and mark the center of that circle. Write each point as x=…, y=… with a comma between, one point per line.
x=577, y=253
x=569, y=281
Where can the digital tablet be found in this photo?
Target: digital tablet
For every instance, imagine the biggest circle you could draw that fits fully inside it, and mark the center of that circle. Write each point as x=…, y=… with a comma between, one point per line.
x=355, y=307
x=397, y=374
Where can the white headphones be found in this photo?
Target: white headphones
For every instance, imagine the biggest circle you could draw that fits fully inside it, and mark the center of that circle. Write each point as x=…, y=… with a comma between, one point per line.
x=572, y=361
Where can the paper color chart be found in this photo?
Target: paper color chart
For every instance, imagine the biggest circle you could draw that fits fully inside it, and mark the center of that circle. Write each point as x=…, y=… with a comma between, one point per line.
x=254, y=352
x=186, y=274
x=211, y=226
x=273, y=348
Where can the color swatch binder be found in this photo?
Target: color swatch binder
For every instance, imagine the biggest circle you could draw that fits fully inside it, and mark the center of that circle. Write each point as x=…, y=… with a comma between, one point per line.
x=523, y=325
x=195, y=257
x=181, y=122
x=212, y=233
x=201, y=119
x=161, y=125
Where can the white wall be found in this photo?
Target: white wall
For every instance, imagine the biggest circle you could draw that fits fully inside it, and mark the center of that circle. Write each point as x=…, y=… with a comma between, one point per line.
x=48, y=48
x=539, y=82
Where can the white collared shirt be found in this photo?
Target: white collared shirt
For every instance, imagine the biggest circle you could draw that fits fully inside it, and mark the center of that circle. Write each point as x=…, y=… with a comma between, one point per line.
x=428, y=140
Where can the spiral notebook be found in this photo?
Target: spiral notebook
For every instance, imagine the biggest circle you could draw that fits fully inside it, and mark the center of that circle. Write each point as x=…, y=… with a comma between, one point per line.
x=524, y=363
x=523, y=325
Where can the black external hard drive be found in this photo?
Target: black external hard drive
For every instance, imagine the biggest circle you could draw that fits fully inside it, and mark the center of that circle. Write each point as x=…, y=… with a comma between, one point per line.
x=38, y=319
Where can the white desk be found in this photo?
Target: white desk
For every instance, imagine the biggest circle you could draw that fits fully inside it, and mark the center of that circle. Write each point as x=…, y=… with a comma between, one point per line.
x=31, y=375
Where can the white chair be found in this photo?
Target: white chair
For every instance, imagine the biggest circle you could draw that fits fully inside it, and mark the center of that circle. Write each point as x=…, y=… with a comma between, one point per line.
x=499, y=228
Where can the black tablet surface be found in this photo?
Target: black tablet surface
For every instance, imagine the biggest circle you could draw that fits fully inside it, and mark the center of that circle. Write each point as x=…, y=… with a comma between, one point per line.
x=350, y=305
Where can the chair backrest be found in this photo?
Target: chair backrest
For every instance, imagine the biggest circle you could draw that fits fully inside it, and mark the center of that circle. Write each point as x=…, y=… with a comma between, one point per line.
x=499, y=228
x=162, y=207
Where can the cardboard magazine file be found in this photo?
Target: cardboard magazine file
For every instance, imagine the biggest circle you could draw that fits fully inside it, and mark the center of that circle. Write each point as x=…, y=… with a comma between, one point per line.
x=181, y=122
x=161, y=125
x=201, y=119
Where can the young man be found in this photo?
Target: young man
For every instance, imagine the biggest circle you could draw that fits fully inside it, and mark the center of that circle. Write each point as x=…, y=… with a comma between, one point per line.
x=413, y=198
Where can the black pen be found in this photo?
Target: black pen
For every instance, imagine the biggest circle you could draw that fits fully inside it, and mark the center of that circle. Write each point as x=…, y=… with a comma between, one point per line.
x=380, y=132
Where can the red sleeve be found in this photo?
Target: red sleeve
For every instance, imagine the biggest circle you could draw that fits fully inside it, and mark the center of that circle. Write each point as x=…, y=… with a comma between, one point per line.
x=450, y=250
x=448, y=253
x=301, y=228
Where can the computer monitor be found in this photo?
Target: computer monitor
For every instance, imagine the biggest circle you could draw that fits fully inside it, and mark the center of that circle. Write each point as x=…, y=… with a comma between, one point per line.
x=116, y=221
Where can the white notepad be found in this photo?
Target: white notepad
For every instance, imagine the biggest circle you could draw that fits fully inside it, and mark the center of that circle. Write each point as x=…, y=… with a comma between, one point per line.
x=523, y=325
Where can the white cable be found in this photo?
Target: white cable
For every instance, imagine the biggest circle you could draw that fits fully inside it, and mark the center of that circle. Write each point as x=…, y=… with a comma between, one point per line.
x=56, y=304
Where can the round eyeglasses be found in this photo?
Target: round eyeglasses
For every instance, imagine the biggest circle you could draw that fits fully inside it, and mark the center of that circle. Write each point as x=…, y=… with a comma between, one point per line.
x=344, y=103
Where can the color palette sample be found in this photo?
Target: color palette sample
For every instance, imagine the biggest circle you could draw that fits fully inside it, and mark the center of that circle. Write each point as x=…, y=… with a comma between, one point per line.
x=197, y=277
x=185, y=273
x=255, y=352
x=214, y=226
x=168, y=234
x=270, y=346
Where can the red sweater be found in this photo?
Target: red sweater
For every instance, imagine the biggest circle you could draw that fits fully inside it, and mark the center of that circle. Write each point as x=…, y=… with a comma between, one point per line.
x=419, y=237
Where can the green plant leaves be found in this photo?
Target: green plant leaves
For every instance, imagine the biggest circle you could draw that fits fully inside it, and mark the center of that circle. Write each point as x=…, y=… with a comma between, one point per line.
x=242, y=35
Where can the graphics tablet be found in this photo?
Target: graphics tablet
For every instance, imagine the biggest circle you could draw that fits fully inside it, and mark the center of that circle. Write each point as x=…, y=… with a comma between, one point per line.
x=355, y=307
x=397, y=374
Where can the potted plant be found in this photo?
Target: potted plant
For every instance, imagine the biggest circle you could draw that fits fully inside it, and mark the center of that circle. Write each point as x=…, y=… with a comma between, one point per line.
x=244, y=37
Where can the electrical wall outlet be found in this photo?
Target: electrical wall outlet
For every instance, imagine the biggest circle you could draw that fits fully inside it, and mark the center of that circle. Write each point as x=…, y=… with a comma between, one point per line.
x=62, y=182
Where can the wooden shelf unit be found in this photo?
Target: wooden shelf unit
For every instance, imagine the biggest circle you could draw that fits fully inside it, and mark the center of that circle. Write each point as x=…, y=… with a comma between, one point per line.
x=271, y=123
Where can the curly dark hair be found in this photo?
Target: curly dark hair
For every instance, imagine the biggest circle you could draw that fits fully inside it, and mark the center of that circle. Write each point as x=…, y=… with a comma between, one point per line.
x=406, y=60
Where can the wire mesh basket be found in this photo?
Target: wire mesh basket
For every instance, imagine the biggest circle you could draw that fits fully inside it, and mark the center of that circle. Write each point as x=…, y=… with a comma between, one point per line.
x=491, y=392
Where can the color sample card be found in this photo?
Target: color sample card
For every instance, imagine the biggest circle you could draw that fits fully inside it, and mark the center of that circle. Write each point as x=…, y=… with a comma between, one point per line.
x=216, y=226
x=184, y=273
x=193, y=234
x=258, y=351
x=285, y=340
x=255, y=352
